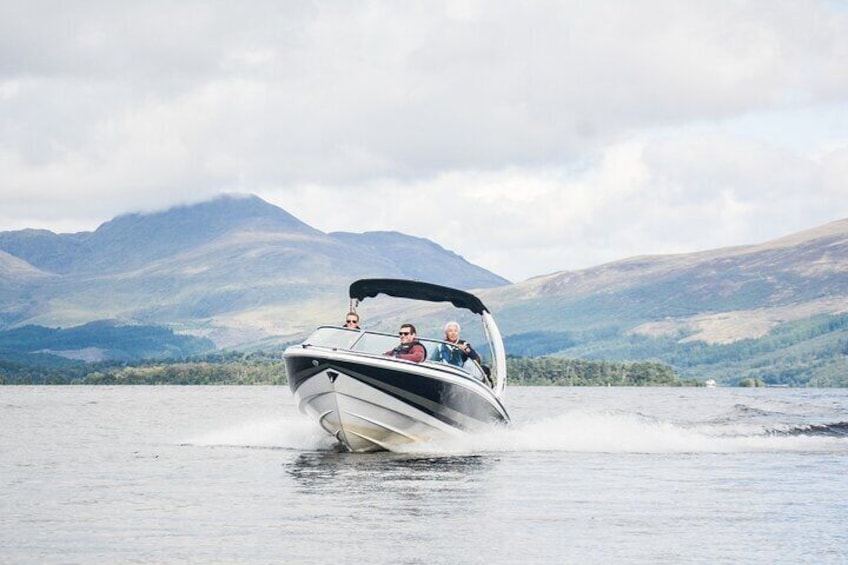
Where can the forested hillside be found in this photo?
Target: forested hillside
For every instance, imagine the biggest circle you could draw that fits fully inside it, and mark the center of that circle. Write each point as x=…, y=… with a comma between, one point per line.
x=37, y=354
x=810, y=352
x=268, y=369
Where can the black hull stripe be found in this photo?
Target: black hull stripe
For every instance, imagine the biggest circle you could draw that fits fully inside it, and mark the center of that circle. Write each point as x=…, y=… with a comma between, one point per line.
x=452, y=403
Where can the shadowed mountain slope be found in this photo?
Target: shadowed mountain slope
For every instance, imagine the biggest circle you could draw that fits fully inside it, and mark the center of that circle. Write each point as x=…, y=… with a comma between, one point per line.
x=235, y=268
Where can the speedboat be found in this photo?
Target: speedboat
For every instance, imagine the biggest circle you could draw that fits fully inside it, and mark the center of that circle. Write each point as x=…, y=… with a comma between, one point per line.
x=373, y=402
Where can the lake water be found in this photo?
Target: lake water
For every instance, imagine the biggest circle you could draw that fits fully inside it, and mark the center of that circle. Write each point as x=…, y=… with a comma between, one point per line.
x=584, y=475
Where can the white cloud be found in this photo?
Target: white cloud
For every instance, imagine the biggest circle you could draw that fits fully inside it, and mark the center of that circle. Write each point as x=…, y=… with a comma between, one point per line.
x=529, y=138
x=666, y=195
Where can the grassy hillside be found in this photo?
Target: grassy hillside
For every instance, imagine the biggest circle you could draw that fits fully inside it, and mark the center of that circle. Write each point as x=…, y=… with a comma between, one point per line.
x=809, y=352
x=38, y=354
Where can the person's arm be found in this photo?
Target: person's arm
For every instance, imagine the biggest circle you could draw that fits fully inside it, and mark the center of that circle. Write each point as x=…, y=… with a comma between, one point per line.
x=469, y=352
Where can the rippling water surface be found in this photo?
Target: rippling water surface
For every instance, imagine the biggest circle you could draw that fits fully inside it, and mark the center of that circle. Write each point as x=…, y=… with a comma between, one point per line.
x=584, y=475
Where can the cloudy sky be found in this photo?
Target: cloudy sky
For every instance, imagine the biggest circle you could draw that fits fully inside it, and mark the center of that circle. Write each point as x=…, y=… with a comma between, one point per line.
x=527, y=137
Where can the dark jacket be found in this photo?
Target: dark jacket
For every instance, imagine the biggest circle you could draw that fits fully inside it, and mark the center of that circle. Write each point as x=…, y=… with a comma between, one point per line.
x=412, y=351
x=454, y=355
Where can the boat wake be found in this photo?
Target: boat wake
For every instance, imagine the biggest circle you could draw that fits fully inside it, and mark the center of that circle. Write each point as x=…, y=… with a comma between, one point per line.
x=296, y=434
x=578, y=431
x=839, y=430
x=618, y=432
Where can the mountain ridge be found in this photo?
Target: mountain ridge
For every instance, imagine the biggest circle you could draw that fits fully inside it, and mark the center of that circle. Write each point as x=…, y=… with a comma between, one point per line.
x=672, y=308
x=251, y=275
x=235, y=268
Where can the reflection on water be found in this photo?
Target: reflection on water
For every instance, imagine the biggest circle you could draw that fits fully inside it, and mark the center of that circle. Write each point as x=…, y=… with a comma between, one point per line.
x=331, y=469
x=356, y=496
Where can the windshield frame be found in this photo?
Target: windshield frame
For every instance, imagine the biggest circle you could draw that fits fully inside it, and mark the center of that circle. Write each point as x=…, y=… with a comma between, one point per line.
x=369, y=342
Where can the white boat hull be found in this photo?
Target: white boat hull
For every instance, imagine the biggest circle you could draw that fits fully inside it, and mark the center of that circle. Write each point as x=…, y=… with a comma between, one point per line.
x=371, y=403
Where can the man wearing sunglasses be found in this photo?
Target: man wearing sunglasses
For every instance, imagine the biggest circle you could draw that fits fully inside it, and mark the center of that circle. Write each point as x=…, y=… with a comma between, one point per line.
x=409, y=348
x=352, y=321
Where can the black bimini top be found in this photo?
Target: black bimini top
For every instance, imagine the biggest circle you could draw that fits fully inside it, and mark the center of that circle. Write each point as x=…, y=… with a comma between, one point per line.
x=416, y=290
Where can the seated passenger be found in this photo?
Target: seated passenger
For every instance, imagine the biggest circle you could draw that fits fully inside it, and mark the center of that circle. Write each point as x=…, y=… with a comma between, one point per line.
x=459, y=350
x=410, y=348
x=352, y=321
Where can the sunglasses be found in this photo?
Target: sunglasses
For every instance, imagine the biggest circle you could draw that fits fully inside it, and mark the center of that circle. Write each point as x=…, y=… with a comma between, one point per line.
x=404, y=333
x=351, y=321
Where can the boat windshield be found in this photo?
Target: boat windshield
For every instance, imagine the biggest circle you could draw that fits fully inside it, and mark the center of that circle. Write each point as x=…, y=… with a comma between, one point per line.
x=377, y=344
x=335, y=338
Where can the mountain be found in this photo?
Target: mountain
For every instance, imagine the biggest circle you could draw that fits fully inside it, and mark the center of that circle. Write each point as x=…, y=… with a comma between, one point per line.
x=246, y=274
x=135, y=240
x=704, y=293
x=42, y=249
x=420, y=257
x=777, y=311
x=235, y=269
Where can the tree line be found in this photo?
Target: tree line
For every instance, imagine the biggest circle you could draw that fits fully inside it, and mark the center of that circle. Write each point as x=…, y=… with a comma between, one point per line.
x=559, y=371
x=268, y=368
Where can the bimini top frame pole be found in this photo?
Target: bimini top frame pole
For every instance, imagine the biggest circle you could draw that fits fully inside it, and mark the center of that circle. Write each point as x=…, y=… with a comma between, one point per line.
x=416, y=290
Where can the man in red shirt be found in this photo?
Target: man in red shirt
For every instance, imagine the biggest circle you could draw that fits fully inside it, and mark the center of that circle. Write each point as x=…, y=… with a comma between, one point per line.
x=409, y=348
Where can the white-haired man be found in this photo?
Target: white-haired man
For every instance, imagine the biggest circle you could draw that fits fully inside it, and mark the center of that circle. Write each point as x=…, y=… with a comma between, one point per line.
x=456, y=351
